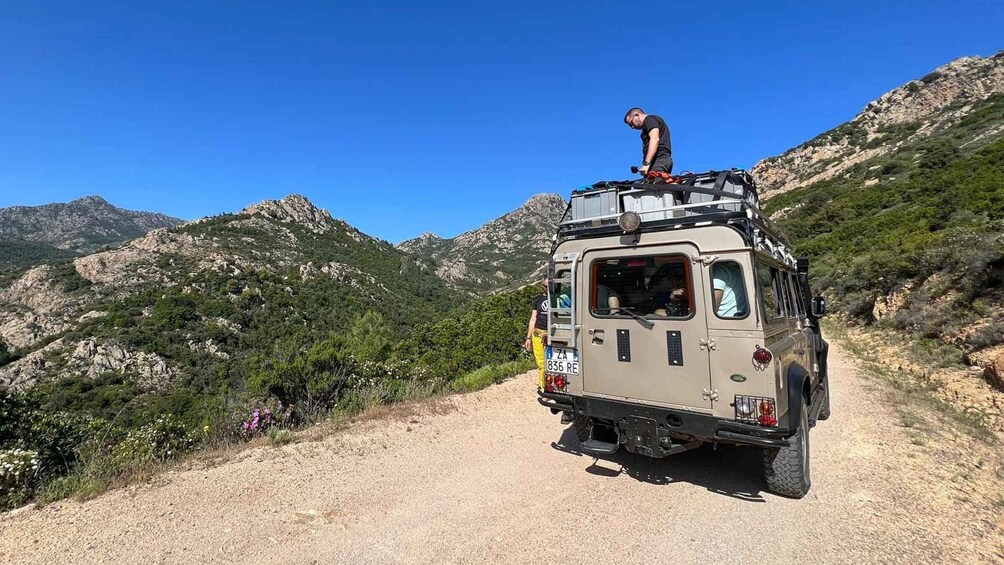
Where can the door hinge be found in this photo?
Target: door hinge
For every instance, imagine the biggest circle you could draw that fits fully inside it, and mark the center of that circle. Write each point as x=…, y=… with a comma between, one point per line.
x=711, y=395
x=707, y=343
x=706, y=259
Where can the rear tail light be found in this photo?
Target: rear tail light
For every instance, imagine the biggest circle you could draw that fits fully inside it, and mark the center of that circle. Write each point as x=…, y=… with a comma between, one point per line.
x=767, y=417
x=559, y=382
x=762, y=356
x=755, y=410
x=549, y=383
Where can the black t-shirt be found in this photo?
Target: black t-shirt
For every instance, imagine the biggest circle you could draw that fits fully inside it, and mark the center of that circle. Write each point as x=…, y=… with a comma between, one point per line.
x=540, y=305
x=665, y=144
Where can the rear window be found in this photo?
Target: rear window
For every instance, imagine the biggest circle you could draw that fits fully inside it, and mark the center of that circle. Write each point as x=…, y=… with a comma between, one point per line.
x=660, y=286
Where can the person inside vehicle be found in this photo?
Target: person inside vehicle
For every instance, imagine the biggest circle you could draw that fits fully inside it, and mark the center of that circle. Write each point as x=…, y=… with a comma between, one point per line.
x=729, y=293
x=656, y=145
x=668, y=289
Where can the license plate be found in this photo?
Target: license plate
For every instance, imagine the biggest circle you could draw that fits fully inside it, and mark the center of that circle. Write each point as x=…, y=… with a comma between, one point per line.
x=563, y=360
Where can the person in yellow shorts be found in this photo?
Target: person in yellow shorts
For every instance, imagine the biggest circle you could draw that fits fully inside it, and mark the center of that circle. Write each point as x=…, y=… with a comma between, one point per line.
x=536, y=332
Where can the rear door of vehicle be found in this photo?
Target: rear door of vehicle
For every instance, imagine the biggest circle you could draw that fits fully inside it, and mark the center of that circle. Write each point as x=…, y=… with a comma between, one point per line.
x=661, y=360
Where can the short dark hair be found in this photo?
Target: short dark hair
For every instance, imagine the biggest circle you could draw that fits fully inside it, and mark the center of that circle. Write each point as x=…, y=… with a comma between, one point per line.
x=632, y=111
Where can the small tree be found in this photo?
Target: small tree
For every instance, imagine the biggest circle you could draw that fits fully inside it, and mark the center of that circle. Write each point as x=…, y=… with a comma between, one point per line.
x=369, y=338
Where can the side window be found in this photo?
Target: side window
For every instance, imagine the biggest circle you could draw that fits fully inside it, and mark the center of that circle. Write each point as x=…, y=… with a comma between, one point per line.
x=796, y=287
x=767, y=279
x=789, y=303
x=659, y=286
x=728, y=290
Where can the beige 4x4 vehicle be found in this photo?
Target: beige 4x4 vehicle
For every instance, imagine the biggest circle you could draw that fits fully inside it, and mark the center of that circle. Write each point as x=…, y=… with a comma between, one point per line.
x=678, y=316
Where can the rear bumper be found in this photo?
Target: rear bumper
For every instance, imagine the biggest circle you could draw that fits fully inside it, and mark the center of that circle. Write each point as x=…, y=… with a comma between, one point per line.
x=678, y=422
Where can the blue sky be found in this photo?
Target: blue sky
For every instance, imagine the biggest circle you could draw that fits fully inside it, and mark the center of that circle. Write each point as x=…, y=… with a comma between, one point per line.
x=434, y=116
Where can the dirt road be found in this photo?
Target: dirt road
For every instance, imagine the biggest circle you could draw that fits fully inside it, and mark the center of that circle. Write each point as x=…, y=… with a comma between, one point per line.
x=496, y=479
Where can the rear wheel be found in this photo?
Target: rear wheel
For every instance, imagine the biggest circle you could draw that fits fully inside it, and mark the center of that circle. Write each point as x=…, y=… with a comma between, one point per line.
x=786, y=470
x=583, y=426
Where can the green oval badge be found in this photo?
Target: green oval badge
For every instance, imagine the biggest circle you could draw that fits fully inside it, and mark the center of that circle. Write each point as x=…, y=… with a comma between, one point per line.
x=738, y=378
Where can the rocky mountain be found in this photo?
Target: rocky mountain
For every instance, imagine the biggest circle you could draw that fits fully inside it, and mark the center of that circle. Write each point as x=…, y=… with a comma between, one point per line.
x=35, y=234
x=81, y=225
x=919, y=109
x=201, y=299
x=901, y=211
x=503, y=253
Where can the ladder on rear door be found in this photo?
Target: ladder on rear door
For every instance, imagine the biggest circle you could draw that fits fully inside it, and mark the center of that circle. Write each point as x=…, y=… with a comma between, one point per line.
x=561, y=322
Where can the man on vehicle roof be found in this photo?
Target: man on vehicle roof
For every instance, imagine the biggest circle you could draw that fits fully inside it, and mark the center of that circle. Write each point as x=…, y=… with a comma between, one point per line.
x=656, y=145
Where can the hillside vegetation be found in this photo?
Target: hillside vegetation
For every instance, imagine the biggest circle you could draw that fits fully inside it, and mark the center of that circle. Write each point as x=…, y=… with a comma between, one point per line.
x=502, y=254
x=914, y=238
x=223, y=330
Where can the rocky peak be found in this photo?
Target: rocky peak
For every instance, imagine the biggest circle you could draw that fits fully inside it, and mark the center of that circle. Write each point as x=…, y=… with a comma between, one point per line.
x=912, y=111
x=423, y=244
x=295, y=209
x=92, y=200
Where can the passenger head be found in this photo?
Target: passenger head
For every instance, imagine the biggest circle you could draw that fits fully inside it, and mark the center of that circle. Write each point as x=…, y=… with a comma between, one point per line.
x=634, y=118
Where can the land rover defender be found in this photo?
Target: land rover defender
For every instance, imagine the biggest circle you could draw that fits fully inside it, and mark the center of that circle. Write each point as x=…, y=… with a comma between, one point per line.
x=678, y=316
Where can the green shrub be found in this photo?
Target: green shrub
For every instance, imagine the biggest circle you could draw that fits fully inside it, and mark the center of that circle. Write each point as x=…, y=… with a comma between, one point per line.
x=492, y=374
x=280, y=436
x=19, y=473
x=370, y=338
x=161, y=440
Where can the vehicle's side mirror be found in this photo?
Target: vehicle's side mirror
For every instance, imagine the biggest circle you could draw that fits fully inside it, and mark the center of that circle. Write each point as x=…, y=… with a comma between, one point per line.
x=818, y=307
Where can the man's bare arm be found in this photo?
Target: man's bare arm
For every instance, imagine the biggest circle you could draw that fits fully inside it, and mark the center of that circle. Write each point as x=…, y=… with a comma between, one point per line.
x=529, y=329
x=653, y=144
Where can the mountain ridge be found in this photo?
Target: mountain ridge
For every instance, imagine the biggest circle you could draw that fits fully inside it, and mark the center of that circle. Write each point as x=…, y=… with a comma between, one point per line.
x=912, y=111
x=502, y=253
x=31, y=235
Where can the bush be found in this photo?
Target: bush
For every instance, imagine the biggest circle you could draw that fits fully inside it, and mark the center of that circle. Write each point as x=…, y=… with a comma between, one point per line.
x=492, y=374
x=19, y=472
x=264, y=416
x=161, y=440
x=280, y=437
x=369, y=338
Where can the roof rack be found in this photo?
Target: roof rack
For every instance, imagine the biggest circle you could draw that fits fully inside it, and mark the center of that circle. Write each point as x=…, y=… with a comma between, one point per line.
x=674, y=202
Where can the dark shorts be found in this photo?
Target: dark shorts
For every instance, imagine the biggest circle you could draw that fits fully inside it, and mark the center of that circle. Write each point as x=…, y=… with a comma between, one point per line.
x=662, y=165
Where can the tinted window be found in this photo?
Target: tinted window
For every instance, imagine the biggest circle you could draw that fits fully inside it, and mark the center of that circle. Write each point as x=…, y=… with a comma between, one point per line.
x=789, y=303
x=729, y=292
x=797, y=289
x=659, y=286
x=768, y=281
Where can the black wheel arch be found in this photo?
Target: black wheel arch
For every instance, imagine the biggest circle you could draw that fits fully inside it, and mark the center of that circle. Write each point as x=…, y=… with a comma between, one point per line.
x=821, y=355
x=797, y=380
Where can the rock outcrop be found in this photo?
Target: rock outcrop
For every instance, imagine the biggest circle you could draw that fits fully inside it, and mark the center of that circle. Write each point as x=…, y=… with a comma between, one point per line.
x=94, y=358
x=294, y=209
x=35, y=307
x=909, y=112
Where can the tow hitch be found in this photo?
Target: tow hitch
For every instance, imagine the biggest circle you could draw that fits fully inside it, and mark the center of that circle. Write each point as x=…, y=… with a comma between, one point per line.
x=639, y=435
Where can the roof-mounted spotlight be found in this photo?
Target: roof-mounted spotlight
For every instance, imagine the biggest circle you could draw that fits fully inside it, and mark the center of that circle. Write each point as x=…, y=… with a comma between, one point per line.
x=629, y=222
